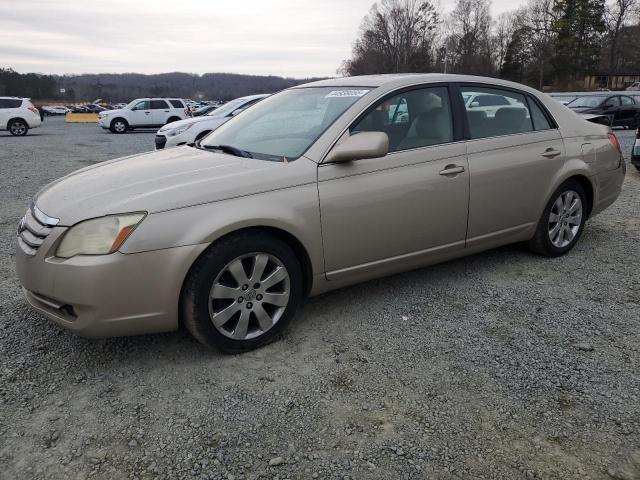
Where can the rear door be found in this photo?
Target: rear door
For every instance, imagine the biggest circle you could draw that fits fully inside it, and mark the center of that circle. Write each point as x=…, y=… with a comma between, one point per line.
x=160, y=112
x=140, y=114
x=512, y=157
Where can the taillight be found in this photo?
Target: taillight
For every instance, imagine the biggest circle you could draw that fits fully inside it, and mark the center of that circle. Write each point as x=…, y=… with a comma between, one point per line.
x=34, y=110
x=614, y=141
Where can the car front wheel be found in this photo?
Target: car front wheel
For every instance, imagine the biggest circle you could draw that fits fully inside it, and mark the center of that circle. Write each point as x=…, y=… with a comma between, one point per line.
x=242, y=292
x=119, y=125
x=562, y=221
x=18, y=128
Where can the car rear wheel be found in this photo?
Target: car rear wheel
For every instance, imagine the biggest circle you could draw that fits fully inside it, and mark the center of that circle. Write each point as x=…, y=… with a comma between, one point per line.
x=119, y=125
x=242, y=292
x=18, y=128
x=562, y=221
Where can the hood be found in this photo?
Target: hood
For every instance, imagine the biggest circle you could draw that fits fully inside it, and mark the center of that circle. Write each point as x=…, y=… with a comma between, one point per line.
x=165, y=180
x=215, y=122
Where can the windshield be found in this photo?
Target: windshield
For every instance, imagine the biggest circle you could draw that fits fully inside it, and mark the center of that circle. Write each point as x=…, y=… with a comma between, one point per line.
x=284, y=126
x=587, y=101
x=227, y=108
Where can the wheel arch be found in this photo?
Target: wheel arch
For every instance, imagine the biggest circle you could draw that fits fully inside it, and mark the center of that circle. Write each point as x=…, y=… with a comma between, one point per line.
x=298, y=248
x=118, y=118
x=588, y=188
x=13, y=119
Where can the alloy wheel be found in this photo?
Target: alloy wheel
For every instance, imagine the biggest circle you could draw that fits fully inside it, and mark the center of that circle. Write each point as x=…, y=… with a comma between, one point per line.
x=249, y=296
x=18, y=128
x=119, y=127
x=565, y=218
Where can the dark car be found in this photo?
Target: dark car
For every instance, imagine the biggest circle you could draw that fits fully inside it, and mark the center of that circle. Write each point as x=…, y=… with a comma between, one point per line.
x=622, y=110
x=91, y=108
x=635, y=153
x=204, y=110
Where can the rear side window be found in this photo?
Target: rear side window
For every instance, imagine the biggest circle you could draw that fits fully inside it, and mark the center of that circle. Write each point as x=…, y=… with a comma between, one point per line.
x=626, y=100
x=540, y=121
x=412, y=119
x=10, y=102
x=508, y=116
x=177, y=103
x=158, y=104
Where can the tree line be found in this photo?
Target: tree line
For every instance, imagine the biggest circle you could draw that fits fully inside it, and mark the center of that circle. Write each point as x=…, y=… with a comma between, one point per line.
x=124, y=87
x=544, y=43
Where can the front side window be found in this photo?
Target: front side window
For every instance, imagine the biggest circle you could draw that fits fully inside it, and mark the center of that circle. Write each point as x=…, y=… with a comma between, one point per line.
x=413, y=119
x=285, y=125
x=626, y=100
x=142, y=105
x=158, y=105
x=507, y=116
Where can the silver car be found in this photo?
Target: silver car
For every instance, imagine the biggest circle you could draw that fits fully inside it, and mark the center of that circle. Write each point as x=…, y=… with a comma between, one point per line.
x=317, y=187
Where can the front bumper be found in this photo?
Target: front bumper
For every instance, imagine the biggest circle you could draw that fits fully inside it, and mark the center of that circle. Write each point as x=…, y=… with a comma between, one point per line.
x=106, y=295
x=103, y=122
x=161, y=141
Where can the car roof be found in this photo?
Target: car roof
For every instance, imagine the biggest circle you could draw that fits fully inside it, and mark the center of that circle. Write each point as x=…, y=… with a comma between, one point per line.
x=408, y=79
x=14, y=98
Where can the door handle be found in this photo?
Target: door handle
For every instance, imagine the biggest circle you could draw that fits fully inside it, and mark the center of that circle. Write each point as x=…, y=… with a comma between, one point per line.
x=452, y=170
x=551, y=152
x=166, y=111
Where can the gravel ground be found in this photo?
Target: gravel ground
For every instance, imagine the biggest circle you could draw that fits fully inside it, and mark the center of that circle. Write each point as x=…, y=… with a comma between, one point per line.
x=503, y=365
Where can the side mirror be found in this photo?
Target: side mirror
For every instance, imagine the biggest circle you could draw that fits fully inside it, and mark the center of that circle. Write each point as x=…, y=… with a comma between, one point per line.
x=359, y=147
x=474, y=104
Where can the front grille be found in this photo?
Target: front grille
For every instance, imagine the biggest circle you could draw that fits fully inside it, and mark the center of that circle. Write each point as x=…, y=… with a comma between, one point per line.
x=34, y=227
x=161, y=141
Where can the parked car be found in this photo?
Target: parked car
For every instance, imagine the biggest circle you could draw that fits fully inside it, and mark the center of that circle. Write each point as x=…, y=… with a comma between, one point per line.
x=486, y=103
x=143, y=113
x=203, y=110
x=635, y=153
x=312, y=189
x=633, y=86
x=18, y=115
x=91, y=108
x=193, y=129
x=622, y=110
x=53, y=110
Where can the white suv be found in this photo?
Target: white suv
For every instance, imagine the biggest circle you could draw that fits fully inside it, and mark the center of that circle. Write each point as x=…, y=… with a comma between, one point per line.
x=143, y=113
x=18, y=115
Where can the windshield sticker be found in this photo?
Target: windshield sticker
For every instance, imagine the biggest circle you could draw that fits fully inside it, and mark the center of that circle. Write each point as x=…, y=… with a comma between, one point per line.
x=347, y=93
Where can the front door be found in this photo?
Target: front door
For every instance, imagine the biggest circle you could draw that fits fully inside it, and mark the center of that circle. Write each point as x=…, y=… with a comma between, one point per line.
x=140, y=115
x=160, y=112
x=513, y=158
x=394, y=212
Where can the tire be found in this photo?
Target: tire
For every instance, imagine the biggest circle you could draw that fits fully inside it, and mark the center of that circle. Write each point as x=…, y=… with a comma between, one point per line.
x=119, y=125
x=18, y=127
x=171, y=120
x=555, y=238
x=637, y=167
x=211, y=290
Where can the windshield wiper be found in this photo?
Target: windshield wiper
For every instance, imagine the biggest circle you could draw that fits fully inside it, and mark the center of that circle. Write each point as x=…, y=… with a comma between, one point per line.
x=231, y=150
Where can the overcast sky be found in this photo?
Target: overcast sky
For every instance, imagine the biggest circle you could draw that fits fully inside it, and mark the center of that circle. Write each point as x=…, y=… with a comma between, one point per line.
x=296, y=38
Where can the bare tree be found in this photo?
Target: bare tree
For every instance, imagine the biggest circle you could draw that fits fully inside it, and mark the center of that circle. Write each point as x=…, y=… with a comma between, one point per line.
x=540, y=17
x=470, y=24
x=396, y=36
x=617, y=14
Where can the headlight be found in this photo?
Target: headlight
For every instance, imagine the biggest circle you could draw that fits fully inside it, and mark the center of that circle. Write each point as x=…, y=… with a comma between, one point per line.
x=98, y=236
x=179, y=130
